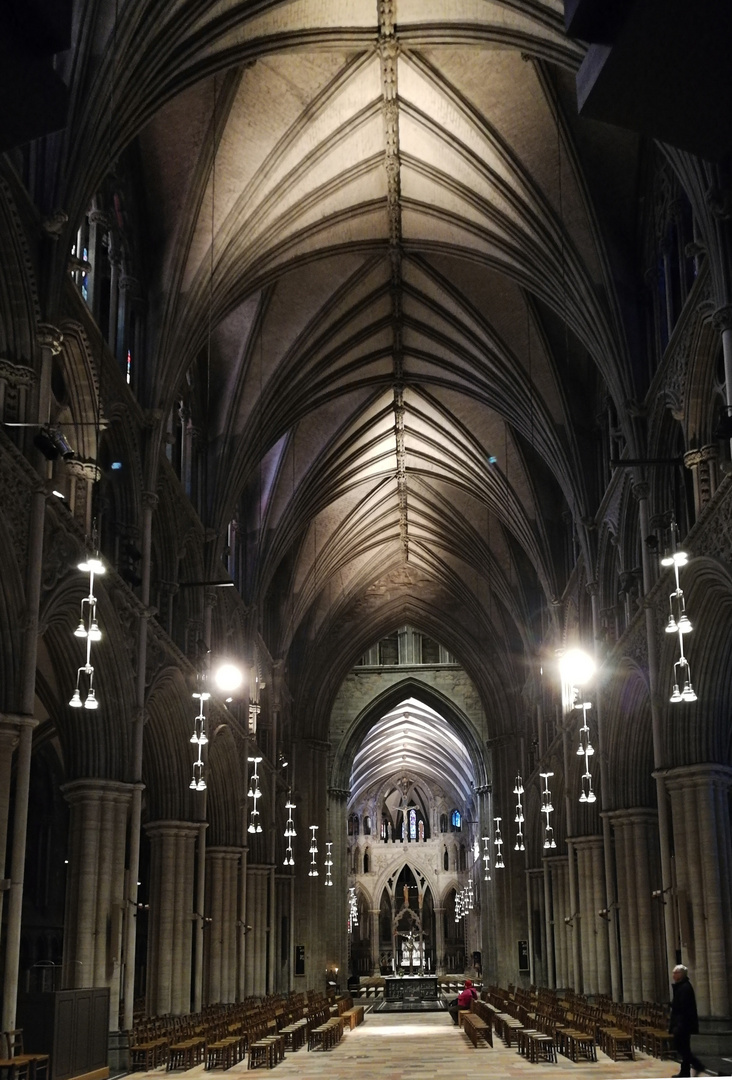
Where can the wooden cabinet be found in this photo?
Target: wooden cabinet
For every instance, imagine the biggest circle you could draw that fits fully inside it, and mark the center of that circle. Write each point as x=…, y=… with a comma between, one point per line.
x=70, y=1025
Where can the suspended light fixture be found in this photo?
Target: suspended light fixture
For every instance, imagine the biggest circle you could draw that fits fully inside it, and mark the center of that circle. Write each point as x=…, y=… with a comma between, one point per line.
x=199, y=739
x=678, y=622
x=352, y=910
x=547, y=809
x=328, y=862
x=88, y=629
x=498, y=842
x=289, y=832
x=254, y=793
x=313, y=851
x=577, y=669
x=518, y=790
x=486, y=858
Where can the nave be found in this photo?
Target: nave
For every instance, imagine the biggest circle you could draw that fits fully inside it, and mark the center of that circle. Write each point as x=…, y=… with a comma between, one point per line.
x=427, y=1046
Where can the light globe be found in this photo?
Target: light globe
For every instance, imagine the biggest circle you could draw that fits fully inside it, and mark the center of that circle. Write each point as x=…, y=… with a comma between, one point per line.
x=577, y=667
x=228, y=678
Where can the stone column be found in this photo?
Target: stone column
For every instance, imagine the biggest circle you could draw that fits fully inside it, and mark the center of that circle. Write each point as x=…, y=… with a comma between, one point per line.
x=169, y=950
x=95, y=886
x=375, y=951
x=640, y=493
x=703, y=466
x=98, y=224
x=8, y=743
x=222, y=866
x=256, y=957
x=241, y=922
x=559, y=874
x=26, y=688
x=149, y=504
x=639, y=876
x=700, y=810
x=723, y=323
x=574, y=904
x=336, y=897
x=536, y=908
x=550, y=972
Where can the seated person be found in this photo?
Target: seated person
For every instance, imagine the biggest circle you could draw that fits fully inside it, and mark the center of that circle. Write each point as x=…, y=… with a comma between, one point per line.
x=463, y=1000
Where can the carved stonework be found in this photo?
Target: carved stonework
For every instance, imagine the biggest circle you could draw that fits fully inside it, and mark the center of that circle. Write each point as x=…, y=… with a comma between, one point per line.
x=50, y=337
x=16, y=375
x=15, y=503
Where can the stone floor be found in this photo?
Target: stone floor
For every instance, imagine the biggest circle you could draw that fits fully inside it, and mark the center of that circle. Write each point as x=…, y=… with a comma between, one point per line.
x=428, y=1047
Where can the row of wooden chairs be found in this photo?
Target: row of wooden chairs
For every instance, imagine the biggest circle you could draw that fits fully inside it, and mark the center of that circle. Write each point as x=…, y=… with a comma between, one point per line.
x=15, y=1063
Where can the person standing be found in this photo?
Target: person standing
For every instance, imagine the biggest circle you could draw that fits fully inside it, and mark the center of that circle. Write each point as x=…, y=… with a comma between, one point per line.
x=684, y=1021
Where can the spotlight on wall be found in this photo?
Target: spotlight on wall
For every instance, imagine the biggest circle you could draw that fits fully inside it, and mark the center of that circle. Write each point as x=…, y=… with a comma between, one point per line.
x=53, y=443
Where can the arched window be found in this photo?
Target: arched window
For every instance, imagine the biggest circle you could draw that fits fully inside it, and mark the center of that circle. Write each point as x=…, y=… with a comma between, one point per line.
x=445, y=860
x=463, y=858
x=412, y=824
x=366, y=861
x=420, y=831
x=456, y=820
x=367, y=826
x=353, y=825
x=443, y=822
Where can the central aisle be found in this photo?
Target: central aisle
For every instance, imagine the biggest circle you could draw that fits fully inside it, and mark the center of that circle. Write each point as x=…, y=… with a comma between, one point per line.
x=427, y=1046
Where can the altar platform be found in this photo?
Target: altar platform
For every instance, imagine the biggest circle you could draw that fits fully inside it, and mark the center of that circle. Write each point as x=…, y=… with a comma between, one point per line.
x=410, y=993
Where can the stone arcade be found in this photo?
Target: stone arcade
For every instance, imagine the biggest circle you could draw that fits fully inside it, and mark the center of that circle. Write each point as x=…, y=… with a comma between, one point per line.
x=366, y=360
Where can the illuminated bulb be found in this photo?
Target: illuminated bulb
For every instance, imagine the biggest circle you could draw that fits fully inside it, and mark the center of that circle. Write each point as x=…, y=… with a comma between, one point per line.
x=685, y=626
x=201, y=785
x=91, y=701
x=75, y=702
x=80, y=630
x=95, y=634
x=676, y=694
x=671, y=626
x=687, y=694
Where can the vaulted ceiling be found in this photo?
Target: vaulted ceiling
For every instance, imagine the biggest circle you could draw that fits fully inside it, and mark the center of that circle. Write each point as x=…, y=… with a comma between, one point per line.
x=382, y=250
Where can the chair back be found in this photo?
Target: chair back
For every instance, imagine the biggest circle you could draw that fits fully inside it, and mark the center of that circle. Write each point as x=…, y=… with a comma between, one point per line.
x=14, y=1041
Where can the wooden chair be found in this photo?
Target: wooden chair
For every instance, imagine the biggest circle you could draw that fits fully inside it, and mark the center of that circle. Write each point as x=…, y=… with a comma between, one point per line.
x=13, y=1068
x=37, y=1063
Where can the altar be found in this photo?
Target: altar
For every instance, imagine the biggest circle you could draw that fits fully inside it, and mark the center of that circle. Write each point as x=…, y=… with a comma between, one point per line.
x=410, y=988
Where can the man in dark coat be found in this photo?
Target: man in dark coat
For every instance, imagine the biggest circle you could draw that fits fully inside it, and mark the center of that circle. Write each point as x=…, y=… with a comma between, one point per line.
x=684, y=1021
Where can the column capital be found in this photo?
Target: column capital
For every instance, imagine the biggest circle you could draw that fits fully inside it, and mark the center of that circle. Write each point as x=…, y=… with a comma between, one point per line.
x=78, y=791
x=150, y=500
x=50, y=337
x=692, y=458
x=84, y=470
x=171, y=829
x=17, y=721
x=641, y=489
x=722, y=318
x=339, y=793
x=687, y=776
